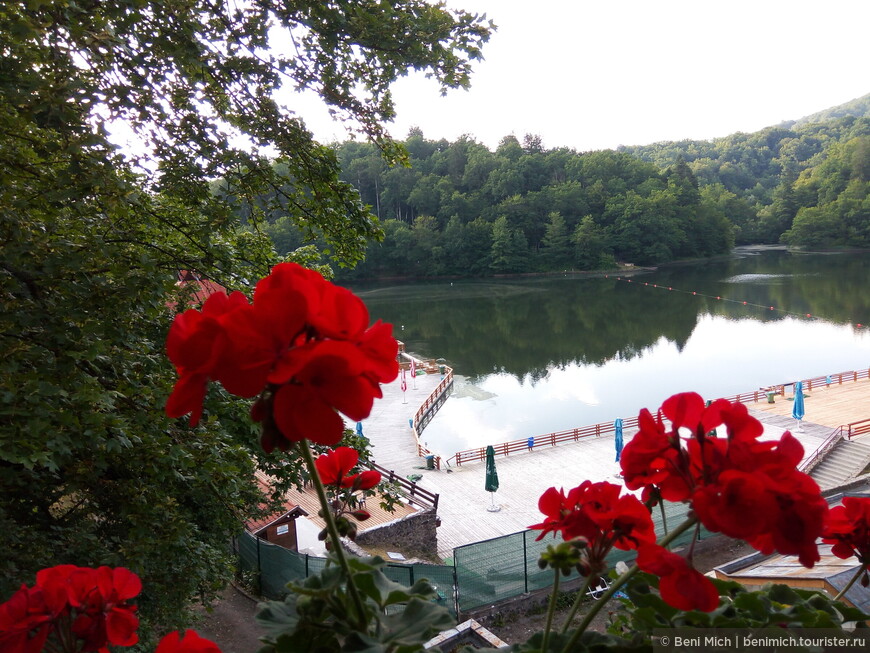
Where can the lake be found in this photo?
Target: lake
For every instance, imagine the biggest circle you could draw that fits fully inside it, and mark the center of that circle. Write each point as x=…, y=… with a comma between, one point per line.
x=544, y=354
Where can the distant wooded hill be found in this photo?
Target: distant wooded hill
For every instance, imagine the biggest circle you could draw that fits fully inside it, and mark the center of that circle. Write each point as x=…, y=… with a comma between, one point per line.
x=462, y=209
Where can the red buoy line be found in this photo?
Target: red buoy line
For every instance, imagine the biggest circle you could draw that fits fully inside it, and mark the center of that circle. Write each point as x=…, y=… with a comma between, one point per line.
x=718, y=297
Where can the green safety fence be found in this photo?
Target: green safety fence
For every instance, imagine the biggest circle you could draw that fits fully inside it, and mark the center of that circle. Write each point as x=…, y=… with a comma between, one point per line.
x=482, y=573
x=503, y=567
x=276, y=566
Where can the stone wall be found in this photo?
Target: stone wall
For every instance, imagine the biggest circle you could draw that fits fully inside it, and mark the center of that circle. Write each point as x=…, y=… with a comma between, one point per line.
x=414, y=535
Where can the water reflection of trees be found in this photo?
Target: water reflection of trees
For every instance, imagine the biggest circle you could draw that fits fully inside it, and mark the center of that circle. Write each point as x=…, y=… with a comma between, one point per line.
x=526, y=327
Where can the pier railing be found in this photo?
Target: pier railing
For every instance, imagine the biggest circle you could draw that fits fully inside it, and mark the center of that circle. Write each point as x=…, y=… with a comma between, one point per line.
x=816, y=382
x=434, y=400
x=411, y=491
x=607, y=428
x=539, y=441
x=857, y=428
x=432, y=403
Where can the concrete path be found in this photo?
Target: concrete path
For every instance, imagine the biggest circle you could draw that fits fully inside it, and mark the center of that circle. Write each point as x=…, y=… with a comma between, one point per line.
x=463, y=505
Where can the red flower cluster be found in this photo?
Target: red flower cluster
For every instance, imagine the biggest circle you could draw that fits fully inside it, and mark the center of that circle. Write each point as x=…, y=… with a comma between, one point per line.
x=82, y=610
x=334, y=466
x=596, y=513
x=92, y=604
x=737, y=485
x=848, y=529
x=302, y=347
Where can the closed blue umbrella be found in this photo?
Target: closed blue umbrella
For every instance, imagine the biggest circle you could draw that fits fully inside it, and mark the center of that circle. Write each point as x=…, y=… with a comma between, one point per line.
x=617, y=427
x=359, y=430
x=797, y=410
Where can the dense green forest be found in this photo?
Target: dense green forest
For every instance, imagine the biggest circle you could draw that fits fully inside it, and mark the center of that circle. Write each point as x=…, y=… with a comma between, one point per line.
x=461, y=209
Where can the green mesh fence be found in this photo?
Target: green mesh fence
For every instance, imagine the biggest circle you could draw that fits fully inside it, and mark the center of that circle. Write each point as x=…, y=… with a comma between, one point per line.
x=497, y=569
x=277, y=566
x=483, y=573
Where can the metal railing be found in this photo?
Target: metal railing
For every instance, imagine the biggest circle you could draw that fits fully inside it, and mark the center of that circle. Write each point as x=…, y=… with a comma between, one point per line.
x=538, y=441
x=816, y=457
x=432, y=401
x=409, y=489
x=607, y=428
x=431, y=405
x=857, y=428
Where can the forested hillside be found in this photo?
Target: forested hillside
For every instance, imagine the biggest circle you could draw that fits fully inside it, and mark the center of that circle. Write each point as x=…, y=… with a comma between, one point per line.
x=461, y=209
x=767, y=178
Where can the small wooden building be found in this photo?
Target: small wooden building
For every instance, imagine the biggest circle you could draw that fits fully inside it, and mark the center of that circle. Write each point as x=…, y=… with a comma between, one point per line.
x=278, y=528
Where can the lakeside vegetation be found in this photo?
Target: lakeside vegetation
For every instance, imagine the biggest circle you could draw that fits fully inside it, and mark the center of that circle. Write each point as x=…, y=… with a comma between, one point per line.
x=462, y=209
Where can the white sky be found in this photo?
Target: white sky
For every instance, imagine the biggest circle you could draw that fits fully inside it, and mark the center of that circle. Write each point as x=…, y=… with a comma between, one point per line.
x=598, y=74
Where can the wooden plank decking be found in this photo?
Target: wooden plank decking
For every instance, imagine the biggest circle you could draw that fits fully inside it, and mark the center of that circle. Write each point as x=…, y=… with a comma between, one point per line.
x=524, y=477
x=830, y=406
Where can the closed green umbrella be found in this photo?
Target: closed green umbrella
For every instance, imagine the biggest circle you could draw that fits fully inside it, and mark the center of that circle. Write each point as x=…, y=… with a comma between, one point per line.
x=491, y=484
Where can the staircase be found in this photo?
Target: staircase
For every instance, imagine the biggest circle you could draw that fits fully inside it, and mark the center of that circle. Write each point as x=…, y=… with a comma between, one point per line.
x=847, y=459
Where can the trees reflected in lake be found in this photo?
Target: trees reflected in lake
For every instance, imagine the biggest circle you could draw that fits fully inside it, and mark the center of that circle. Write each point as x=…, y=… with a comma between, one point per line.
x=573, y=350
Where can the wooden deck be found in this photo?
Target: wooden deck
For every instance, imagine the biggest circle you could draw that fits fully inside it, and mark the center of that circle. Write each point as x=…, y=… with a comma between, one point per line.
x=525, y=476
x=830, y=406
x=308, y=501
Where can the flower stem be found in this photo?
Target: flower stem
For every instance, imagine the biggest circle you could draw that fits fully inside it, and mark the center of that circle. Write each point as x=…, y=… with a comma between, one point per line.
x=619, y=582
x=577, y=601
x=551, y=611
x=664, y=517
x=333, y=534
x=862, y=569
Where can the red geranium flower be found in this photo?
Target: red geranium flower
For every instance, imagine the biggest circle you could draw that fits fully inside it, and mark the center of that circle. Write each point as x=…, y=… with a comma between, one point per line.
x=737, y=485
x=596, y=512
x=25, y=621
x=334, y=466
x=190, y=642
x=196, y=344
x=104, y=615
x=848, y=529
x=325, y=376
x=680, y=584
x=91, y=603
x=302, y=346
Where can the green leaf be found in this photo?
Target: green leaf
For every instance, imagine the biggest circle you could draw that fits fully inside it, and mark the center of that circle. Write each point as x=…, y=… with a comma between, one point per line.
x=417, y=623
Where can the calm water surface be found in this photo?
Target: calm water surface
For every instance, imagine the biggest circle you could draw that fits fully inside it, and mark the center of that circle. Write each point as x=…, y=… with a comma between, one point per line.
x=539, y=355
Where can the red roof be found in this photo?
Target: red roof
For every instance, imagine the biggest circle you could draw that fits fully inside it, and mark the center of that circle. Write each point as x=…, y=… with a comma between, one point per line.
x=203, y=287
x=288, y=509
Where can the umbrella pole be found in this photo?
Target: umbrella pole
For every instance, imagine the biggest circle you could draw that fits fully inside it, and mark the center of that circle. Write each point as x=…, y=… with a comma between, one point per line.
x=493, y=507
